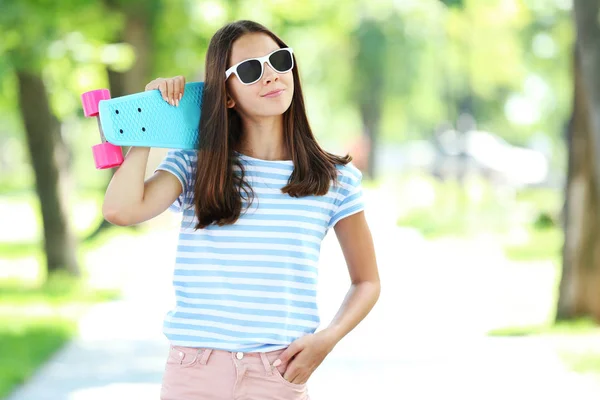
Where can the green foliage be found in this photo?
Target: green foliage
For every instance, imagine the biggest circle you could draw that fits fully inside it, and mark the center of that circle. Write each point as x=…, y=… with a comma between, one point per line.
x=453, y=3
x=447, y=208
x=544, y=221
x=37, y=320
x=31, y=27
x=526, y=223
x=370, y=61
x=540, y=244
x=430, y=57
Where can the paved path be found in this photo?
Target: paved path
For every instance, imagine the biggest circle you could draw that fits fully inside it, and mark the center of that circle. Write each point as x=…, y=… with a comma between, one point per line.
x=424, y=339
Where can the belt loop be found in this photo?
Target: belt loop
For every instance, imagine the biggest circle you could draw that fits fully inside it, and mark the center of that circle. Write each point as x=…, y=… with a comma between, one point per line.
x=266, y=363
x=205, y=354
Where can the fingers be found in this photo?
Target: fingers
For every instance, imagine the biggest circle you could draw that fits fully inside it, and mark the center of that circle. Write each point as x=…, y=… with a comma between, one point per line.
x=162, y=86
x=287, y=354
x=171, y=89
x=170, y=92
x=290, y=373
x=179, y=84
x=295, y=373
x=291, y=376
x=299, y=379
x=176, y=90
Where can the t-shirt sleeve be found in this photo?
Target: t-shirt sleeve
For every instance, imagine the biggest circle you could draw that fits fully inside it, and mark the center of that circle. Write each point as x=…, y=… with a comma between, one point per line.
x=178, y=163
x=352, y=201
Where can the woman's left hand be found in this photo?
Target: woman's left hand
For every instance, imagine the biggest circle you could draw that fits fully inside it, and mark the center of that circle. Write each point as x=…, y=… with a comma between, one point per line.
x=305, y=355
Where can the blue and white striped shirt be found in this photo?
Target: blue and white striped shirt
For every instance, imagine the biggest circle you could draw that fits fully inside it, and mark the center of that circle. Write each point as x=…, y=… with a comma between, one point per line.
x=252, y=286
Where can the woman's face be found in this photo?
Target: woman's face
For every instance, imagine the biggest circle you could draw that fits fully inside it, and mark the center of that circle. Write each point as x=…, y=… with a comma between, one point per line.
x=250, y=100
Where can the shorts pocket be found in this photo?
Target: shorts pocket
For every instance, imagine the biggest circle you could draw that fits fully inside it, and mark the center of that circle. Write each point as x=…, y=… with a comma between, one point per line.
x=280, y=378
x=183, y=356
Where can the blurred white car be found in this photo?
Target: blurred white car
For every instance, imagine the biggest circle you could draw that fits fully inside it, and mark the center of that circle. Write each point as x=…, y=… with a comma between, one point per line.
x=518, y=166
x=451, y=154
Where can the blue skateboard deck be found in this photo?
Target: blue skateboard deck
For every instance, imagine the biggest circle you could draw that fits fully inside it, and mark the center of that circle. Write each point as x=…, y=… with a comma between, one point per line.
x=146, y=120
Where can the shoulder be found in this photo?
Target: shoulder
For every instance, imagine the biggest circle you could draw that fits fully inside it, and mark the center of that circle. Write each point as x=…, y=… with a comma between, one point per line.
x=180, y=162
x=183, y=154
x=349, y=174
x=186, y=157
x=188, y=154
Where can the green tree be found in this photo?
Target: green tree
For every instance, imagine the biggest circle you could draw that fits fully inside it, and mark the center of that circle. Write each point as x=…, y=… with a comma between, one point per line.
x=25, y=51
x=369, y=81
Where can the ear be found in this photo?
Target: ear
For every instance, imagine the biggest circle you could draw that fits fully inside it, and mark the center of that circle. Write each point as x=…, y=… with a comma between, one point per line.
x=230, y=102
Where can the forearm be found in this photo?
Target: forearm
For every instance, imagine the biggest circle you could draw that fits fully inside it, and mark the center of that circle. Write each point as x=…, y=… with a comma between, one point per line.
x=126, y=188
x=358, y=302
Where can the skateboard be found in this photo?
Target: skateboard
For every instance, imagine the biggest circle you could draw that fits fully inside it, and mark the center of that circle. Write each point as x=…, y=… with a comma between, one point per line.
x=142, y=119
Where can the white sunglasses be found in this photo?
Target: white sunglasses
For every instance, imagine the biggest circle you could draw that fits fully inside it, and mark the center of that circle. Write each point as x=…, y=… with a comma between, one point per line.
x=251, y=70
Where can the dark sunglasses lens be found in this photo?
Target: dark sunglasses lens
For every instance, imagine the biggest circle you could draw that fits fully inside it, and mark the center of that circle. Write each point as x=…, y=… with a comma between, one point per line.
x=249, y=71
x=281, y=60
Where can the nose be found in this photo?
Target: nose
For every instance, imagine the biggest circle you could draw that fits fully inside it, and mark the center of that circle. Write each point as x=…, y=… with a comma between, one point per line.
x=270, y=74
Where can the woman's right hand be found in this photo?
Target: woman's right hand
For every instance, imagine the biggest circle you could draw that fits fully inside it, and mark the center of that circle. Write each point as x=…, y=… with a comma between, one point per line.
x=171, y=89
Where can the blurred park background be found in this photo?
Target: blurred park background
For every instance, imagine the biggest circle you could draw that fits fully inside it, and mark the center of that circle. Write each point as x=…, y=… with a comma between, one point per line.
x=476, y=124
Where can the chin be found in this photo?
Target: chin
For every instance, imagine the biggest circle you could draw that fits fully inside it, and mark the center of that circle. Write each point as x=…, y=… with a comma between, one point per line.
x=271, y=114
x=274, y=110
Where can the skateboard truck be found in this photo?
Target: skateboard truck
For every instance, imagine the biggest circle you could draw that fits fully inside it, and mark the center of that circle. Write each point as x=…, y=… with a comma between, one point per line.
x=106, y=155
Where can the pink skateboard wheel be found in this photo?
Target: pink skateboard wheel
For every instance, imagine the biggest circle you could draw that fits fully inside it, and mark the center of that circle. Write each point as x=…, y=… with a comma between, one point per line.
x=107, y=155
x=90, y=101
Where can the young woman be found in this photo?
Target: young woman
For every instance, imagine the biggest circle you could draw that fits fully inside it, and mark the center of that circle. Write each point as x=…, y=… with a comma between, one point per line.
x=257, y=197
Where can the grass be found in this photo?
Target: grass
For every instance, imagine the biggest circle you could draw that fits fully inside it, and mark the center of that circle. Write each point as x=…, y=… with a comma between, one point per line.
x=582, y=360
x=84, y=214
x=441, y=209
x=543, y=238
x=575, y=327
x=36, y=320
x=527, y=225
x=540, y=244
x=587, y=362
x=38, y=316
x=13, y=250
x=440, y=223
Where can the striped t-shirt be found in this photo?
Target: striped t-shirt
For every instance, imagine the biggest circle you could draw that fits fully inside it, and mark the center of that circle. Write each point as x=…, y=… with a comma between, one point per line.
x=252, y=286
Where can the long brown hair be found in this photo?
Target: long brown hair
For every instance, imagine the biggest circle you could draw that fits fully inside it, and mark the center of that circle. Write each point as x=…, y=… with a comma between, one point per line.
x=218, y=191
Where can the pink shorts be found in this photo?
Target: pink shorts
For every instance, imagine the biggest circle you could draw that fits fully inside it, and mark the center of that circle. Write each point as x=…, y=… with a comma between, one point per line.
x=207, y=374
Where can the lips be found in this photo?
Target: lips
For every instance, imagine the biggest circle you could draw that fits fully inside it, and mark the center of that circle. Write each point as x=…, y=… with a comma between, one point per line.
x=273, y=93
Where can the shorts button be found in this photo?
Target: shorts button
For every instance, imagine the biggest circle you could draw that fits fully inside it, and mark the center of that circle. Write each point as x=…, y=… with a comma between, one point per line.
x=181, y=354
x=239, y=355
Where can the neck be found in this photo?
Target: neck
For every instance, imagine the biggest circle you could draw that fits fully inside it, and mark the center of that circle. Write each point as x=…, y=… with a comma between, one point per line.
x=263, y=139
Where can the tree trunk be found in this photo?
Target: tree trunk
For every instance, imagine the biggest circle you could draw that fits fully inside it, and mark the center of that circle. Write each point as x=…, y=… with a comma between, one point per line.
x=370, y=62
x=371, y=116
x=579, y=291
x=588, y=47
x=580, y=285
x=49, y=158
